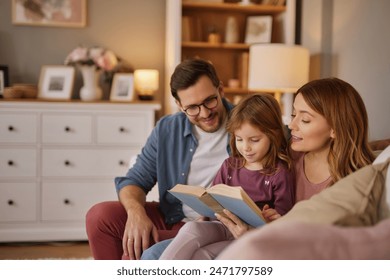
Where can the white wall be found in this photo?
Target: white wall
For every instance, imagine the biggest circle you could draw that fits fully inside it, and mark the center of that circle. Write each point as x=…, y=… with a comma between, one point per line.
x=352, y=39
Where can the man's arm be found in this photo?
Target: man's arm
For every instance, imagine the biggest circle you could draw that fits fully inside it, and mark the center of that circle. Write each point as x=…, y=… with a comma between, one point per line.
x=138, y=226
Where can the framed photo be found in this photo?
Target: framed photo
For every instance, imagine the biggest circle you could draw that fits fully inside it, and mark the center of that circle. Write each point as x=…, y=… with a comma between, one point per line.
x=56, y=82
x=258, y=29
x=4, y=82
x=122, y=87
x=70, y=13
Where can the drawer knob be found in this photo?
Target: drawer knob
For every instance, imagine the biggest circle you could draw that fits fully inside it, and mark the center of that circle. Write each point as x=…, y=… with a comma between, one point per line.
x=67, y=129
x=122, y=129
x=11, y=128
x=67, y=162
x=121, y=162
x=66, y=201
x=10, y=202
x=10, y=163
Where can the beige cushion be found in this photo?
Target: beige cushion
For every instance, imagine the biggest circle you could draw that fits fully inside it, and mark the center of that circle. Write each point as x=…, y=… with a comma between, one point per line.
x=352, y=201
x=385, y=201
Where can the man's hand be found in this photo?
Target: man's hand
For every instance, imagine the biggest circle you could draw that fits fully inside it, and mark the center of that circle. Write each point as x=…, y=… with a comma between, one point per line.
x=139, y=228
x=136, y=238
x=235, y=225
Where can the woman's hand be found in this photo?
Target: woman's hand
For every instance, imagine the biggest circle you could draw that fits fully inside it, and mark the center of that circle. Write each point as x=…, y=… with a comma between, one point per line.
x=270, y=214
x=235, y=225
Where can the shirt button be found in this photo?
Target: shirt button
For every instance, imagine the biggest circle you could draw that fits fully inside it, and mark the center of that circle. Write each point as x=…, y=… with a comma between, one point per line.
x=191, y=150
x=182, y=174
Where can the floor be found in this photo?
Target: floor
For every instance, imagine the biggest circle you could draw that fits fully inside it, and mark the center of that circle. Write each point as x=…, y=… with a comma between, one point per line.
x=52, y=250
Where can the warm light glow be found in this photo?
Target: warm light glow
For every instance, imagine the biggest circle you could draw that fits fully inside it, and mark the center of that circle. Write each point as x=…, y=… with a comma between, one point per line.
x=278, y=67
x=146, y=81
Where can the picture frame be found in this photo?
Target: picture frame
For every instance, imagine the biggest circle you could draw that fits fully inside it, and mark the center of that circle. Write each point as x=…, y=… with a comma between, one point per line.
x=122, y=87
x=4, y=81
x=56, y=82
x=71, y=13
x=258, y=29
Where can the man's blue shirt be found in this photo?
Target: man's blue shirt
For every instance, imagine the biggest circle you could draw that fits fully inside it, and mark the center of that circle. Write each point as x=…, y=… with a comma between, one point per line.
x=166, y=159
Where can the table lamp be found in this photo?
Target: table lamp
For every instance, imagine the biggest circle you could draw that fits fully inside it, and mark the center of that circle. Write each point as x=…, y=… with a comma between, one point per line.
x=146, y=83
x=278, y=68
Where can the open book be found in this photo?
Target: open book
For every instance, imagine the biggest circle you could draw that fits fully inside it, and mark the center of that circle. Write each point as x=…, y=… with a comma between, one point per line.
x=213, y=200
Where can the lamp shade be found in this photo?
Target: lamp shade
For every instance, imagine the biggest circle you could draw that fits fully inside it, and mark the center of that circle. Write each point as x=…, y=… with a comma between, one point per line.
x=277, y=67
x=146, y=81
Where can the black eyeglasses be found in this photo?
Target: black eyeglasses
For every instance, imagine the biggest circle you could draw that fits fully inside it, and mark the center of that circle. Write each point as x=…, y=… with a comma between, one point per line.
x=194, y=110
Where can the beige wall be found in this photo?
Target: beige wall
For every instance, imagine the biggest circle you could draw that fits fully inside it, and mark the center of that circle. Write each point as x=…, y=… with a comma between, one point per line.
x=349, y=39
x=133, y=29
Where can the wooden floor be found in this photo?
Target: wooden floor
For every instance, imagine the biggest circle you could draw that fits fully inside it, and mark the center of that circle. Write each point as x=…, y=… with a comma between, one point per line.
x=52, y=250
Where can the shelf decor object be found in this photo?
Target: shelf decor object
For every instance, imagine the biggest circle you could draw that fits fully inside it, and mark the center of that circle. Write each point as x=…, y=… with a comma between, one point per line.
x=122, y=87
x=90, y=91
x=92, y=62
x=146, y=83
x=56, y=82
x=258, y=29
x=278, y=68
x=231, y=30
x=71, y=13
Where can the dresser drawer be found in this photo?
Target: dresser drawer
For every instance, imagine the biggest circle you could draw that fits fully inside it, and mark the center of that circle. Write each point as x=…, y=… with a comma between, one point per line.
x=66, y=129
x=71, y=201
x=132, y=129
x=18, y=202
x=20, y=162
x=83, y=162
x=18, y=128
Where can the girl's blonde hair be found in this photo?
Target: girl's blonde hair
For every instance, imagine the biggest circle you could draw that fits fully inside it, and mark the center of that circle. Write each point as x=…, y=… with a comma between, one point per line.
x=263, y=112
x=344, y=110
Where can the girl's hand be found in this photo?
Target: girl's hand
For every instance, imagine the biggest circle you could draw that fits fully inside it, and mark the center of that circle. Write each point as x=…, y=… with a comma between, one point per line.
x=235, y=225
x=270, y=214
x=202, y=219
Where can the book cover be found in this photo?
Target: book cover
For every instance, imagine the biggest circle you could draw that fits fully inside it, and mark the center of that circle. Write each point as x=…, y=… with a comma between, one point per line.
x=237, y=201
x=213, y=200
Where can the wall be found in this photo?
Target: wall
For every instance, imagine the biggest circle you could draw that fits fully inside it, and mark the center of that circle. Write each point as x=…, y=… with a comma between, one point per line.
x=133, y=29
x=348, y=39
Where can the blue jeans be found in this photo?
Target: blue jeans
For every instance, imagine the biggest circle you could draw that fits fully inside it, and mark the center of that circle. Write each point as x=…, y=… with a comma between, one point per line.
x=154, y=252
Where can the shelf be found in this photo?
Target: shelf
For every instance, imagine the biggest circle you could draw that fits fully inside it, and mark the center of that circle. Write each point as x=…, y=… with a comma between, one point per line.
x=228, y=90
x=235, y=7
x=206, y=45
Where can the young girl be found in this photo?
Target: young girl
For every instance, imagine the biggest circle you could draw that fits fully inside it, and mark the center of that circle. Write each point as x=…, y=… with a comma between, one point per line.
x=259, y=164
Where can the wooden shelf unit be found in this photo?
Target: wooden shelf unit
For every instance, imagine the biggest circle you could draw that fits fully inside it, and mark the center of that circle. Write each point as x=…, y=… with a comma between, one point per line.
x=227, y=57
x=236, y=7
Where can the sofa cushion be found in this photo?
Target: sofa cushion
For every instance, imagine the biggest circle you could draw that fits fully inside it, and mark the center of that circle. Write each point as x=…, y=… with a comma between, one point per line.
x=353, y=200
x=303, y=241
x=385, y=201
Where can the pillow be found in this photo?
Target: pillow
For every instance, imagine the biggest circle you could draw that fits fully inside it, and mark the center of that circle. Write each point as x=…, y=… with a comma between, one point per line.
x=352, y=201
x=383, y=156
x=385, y=201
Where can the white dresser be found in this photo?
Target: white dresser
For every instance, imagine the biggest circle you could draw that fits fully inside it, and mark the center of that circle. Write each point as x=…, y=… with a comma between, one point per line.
x=57, y=159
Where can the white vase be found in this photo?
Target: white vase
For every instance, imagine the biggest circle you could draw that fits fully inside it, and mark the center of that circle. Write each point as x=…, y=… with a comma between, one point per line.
x=90, y=90
x=231, y=32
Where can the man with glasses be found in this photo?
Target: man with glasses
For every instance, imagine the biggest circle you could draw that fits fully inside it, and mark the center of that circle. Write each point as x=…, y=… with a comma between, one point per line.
x=184, y=148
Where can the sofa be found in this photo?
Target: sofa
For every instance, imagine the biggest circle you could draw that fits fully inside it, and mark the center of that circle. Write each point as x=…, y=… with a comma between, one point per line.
x=349, y=221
